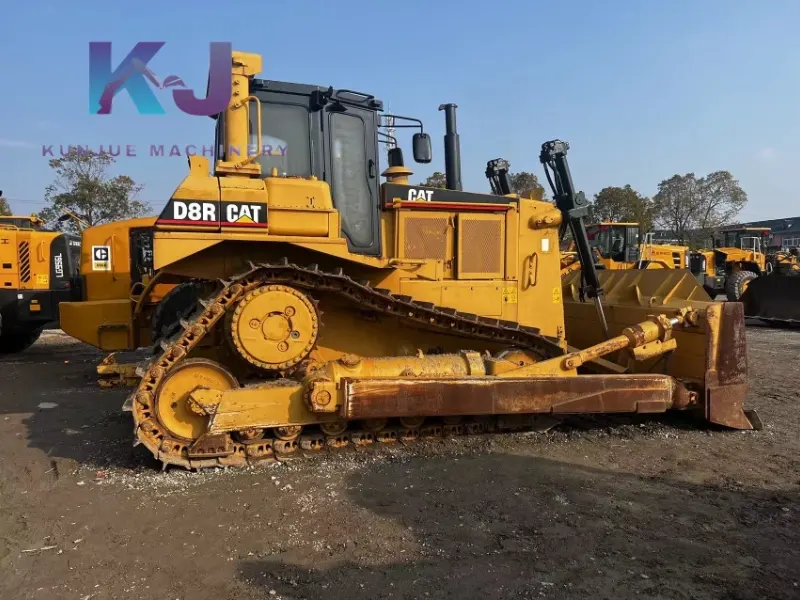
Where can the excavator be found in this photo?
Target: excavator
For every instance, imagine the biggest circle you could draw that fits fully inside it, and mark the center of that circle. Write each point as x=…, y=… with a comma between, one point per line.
x=294, y=303
x=38, y=270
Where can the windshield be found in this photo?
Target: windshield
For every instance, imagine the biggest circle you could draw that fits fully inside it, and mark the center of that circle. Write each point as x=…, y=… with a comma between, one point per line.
x=284, y=141
x=746, y=240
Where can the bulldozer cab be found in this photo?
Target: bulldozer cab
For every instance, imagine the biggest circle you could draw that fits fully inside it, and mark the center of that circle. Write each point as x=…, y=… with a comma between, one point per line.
x=332, y=135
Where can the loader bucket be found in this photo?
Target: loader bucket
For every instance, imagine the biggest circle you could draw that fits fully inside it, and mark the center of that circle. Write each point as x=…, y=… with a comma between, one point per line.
x=774, y=299
x=710, y=358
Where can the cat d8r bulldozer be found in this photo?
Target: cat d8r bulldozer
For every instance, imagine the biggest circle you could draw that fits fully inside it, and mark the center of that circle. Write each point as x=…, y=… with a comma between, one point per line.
x=38, y=270
x=310, y=306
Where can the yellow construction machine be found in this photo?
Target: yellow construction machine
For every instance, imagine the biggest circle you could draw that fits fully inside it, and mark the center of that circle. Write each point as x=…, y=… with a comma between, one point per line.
x=38, y=270
x=774, y=297
x=738, y=256
x=309, y=305
x=619, y=247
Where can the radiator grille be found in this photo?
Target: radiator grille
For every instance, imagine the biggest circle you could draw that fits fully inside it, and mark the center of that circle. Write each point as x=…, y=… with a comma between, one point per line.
x=481, y=243
x=24, y=262
x=425, y=238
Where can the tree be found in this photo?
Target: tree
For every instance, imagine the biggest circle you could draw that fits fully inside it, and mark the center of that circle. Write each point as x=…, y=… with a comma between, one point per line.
x=84, y=187
x=437, y=180
x=620, y=204
x=526, y=185
x=722, y=200
x=5, y=209
x=692, y=208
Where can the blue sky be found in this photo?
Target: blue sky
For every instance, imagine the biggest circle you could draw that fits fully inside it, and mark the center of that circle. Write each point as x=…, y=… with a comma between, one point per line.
x=642, y=90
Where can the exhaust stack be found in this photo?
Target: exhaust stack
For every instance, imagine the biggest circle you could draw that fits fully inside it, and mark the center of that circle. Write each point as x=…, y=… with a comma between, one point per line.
x=452, y=148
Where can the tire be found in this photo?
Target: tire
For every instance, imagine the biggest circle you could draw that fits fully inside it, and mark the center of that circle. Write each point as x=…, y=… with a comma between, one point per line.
x=179, y=302
x=737, y=283
x=18, y=340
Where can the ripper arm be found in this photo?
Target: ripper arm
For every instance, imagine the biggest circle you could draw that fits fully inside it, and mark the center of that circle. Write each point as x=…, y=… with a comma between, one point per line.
x=574, y=207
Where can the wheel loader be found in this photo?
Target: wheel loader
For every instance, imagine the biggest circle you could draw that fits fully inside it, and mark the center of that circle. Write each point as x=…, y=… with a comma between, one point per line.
x=617, y=246
x=306, y=305
x=737, y=258
x=774, y=297
x=38, y=270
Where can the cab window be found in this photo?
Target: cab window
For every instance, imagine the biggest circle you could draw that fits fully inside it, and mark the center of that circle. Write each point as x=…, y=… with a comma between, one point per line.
x=600, y=237
x=284, y=143
x=350, y=181
x=618, y=243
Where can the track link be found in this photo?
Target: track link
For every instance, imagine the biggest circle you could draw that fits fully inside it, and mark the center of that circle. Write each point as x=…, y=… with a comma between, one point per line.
x=231, y=451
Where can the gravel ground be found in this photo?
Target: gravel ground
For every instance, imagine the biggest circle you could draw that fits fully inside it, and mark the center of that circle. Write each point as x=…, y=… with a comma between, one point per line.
x=596, y=508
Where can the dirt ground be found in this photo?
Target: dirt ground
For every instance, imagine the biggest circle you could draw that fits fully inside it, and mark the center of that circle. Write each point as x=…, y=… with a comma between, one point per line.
x=605, y=508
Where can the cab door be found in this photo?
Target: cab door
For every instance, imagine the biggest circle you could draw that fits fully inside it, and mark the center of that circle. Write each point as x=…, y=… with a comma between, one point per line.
x=352, y=172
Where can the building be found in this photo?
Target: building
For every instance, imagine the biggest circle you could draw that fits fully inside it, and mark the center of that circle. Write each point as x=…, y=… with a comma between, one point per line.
x=785, y=232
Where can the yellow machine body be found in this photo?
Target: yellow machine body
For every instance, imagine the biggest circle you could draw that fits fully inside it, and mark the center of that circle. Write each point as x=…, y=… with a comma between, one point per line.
x=37, y=269
x=284, y=318
x=618, y=246
x=738, y=257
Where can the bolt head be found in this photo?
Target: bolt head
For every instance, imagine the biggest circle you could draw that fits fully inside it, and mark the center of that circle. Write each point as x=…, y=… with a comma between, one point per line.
x=322, y=398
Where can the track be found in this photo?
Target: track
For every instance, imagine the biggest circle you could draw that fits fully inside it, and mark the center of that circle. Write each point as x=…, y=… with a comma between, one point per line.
x=242, y=450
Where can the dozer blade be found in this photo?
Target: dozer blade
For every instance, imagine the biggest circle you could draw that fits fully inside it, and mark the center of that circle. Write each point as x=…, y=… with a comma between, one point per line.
x=710, y=357
x=774, y=299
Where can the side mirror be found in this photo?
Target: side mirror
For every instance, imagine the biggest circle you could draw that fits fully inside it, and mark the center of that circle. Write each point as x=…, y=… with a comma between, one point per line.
x=421, y=143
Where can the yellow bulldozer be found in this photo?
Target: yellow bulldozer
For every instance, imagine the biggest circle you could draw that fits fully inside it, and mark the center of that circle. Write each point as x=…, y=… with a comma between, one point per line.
x=296, y=302
x=38, y=270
